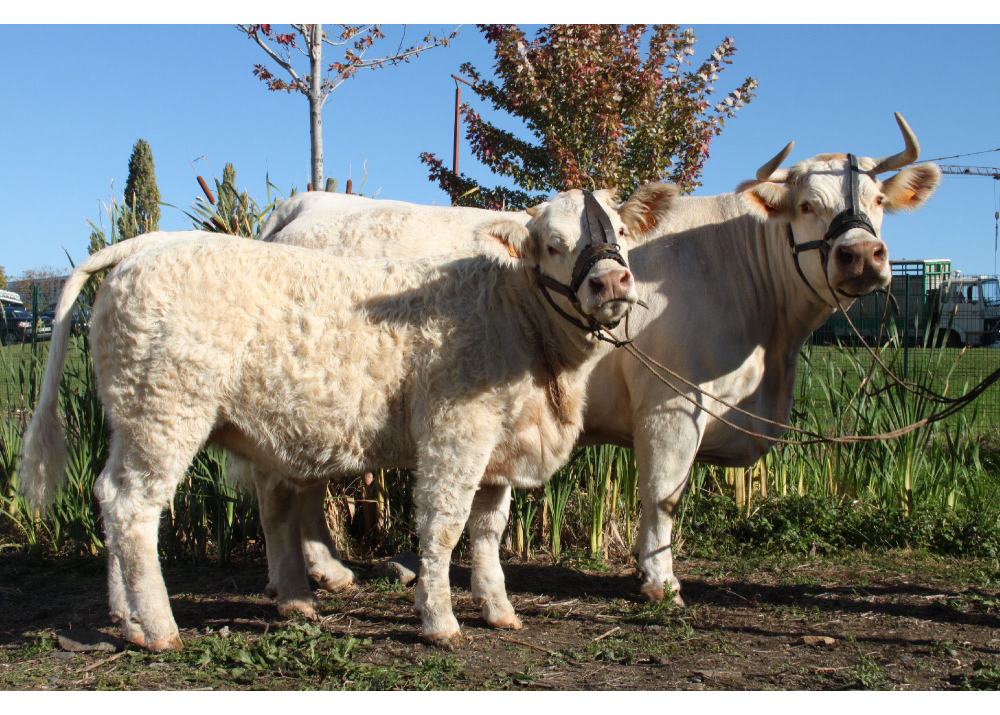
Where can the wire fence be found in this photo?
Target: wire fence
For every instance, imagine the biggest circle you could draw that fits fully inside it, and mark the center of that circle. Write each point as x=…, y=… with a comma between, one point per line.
x=933, y=325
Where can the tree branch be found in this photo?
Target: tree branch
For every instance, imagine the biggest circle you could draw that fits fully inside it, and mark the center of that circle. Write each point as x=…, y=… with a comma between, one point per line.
x=273, y=55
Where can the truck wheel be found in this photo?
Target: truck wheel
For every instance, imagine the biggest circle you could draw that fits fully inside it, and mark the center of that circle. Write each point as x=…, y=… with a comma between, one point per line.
x=954, y=340
x=9, y=339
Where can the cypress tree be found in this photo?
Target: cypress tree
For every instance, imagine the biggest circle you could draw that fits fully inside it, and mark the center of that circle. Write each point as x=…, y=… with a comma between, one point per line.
x=141, y=210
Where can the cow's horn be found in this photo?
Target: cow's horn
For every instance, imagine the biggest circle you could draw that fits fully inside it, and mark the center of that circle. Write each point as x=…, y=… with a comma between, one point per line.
x=769, y=171
x=907, y=156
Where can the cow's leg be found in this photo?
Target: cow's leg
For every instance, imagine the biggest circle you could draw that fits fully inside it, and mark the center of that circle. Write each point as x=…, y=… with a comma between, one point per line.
x=490, y=507
x=322, y=561
x=143, y=470
x=665, y=447
x=448, y=474
x=286, y=566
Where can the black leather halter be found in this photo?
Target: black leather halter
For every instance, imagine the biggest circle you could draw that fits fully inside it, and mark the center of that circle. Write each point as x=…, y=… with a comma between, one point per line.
x=850, y=217
x=602, y=245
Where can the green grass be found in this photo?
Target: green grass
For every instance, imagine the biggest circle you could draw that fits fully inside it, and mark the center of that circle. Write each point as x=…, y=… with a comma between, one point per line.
x=312, y=657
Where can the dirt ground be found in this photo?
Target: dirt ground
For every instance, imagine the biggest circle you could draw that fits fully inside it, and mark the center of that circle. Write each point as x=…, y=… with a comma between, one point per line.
x=898, y=621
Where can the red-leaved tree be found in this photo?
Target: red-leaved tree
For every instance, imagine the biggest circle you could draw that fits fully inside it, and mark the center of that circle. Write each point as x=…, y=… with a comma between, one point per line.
x=317, y=82
x=602, y=111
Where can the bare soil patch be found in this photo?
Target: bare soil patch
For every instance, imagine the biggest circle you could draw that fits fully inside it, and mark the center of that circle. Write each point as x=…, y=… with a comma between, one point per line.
x=898, y=621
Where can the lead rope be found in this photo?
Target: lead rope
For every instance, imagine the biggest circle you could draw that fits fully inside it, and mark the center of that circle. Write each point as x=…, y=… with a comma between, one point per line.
x=652, y=365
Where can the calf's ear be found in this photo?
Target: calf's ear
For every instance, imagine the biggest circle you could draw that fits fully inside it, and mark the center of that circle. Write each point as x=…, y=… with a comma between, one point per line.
x=766, y=200
x=507, y=242
x=910, y=188
x=646, y=209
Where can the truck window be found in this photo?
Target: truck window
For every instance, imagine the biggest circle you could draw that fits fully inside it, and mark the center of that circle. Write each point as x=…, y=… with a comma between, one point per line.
x=972, y=294
x=991, y=293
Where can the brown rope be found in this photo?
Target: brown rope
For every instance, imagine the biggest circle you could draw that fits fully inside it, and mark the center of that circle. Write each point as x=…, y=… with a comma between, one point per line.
x=652, y=365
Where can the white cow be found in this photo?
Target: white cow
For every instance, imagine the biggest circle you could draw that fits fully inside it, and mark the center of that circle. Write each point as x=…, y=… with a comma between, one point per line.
x=728, y=309
x=312, y=364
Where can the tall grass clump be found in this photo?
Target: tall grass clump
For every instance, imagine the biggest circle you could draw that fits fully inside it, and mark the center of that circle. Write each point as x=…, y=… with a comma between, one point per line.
x=935, y=488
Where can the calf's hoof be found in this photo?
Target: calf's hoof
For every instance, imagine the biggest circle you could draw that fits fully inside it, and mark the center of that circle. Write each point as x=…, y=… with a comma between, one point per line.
x=508, y=622
x=447, y=641
x=333, y=583
x=304, y=606
x=166, y=645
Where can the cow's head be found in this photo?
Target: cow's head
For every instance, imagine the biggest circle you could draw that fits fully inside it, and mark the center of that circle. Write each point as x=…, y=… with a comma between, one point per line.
x=813, y=198
x=565, y=246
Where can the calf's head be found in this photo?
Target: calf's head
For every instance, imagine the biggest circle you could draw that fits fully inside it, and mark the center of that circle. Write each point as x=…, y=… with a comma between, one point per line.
x=577, y=247
x=833, y=209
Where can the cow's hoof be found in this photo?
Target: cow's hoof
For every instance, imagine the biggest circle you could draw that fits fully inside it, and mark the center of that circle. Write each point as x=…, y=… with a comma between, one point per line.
x=333, y=584
x=304, y=606
x=509, y=622
x=271, y=590
x=652, y=592
x=117, y=618
x=166, y=645
x=133, y=633
x=447, y=641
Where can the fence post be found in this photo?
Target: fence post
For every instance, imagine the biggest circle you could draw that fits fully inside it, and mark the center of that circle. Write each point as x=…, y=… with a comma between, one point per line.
x=906, y=328
x=34, y=345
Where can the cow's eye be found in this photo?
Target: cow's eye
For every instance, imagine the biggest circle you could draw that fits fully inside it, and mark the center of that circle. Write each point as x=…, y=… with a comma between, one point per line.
x=878, y=200
x=621, y=231
x=552, y=250
x=805, y=208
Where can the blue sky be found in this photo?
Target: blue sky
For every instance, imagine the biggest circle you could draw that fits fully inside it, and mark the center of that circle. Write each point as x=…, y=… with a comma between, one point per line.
x=189, y=91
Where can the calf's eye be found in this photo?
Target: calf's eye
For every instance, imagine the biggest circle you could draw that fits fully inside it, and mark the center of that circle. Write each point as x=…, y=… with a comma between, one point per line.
x=805, y=208
x=552, y=250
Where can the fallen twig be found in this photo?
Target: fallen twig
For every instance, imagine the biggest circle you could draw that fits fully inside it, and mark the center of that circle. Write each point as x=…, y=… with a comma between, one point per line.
x=605, y=635
x=528, y=645
x=104, y=661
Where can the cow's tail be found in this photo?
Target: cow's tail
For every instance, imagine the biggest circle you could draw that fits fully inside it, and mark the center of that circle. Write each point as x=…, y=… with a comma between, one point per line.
x=43, y=455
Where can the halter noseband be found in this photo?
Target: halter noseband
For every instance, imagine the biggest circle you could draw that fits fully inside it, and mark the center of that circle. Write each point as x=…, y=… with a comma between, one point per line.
x=850, y=217
x=598, y=224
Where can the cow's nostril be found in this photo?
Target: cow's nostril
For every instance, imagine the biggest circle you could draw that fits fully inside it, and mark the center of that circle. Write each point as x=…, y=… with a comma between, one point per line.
x=597, y=285
x=626, y=279
x=844, y=256
x=878, y=255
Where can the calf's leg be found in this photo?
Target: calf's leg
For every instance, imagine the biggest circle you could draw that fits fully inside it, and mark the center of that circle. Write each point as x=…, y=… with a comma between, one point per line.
x=143, y=470
x=286, y=566
x=322, y=560
x=448, y=474
x=487, y=520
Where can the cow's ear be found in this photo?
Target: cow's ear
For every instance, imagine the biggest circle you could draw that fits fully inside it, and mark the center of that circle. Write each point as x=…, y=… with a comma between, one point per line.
x=766, y=200
x=910, y=188
x=507, y=242
x=647, y=208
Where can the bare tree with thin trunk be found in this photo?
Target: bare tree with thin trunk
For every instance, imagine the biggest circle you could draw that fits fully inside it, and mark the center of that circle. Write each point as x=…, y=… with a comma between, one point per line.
x=308, y=40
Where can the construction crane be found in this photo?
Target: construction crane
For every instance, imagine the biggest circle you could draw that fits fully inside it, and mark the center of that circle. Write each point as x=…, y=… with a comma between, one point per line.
x=992, y=172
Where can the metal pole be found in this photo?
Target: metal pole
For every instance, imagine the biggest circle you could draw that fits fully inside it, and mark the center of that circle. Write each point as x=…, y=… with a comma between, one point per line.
x=458, y=104
x=458, y=120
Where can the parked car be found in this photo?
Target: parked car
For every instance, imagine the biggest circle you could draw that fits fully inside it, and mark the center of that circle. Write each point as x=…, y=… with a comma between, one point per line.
x=17, y=326
x=81, y=321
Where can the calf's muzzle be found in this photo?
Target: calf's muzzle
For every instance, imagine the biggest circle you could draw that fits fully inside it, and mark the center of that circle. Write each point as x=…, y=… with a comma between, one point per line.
x=611, y=285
